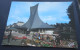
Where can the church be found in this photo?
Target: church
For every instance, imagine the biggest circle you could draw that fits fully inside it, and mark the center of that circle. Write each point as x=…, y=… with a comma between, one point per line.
x=35, y=24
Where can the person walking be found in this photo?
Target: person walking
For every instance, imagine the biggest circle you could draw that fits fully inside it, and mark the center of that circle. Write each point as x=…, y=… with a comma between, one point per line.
x=9, y=37
x=54, y=38
x=57, y=40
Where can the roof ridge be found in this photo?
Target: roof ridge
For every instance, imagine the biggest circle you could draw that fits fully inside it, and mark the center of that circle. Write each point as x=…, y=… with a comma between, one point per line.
x=34, y=13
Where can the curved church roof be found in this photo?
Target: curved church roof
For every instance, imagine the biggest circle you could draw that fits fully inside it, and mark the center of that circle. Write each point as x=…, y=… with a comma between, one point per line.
x=34, y=20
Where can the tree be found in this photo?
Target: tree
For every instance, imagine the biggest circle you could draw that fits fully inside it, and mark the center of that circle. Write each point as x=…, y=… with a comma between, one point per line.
x=70, y=13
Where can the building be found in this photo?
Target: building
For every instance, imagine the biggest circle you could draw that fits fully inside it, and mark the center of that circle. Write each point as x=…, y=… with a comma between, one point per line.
x=34, y=24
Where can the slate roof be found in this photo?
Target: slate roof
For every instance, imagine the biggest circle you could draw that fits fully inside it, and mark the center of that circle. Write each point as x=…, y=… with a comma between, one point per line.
x=34, y=20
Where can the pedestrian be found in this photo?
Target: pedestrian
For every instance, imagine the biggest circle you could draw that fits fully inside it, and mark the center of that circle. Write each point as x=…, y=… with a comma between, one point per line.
x=39, y=37
x=48, y=38
x=58, y=40
x=42, y=37
x=54, y=38
x=9, y=36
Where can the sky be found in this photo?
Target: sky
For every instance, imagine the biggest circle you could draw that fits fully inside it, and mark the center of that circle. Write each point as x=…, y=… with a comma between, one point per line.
x=49, y=12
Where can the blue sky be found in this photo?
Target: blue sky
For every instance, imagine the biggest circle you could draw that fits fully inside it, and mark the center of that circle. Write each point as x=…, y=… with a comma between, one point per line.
x=49, y=12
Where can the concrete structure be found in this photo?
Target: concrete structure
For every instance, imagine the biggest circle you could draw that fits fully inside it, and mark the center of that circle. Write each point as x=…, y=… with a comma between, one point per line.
x=34, y=24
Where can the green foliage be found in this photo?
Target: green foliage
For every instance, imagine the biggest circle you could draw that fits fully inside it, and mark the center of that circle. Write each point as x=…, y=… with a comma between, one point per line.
x=47, y=45
x=70, y=12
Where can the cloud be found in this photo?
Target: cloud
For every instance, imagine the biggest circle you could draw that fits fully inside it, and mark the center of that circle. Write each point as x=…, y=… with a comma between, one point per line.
x=47, y=18
x=15, y=19
x=54, y=20
x=51, y=12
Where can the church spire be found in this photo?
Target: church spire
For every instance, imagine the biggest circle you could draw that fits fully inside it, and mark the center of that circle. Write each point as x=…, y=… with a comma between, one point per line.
x=34, y=9
x=34, y=21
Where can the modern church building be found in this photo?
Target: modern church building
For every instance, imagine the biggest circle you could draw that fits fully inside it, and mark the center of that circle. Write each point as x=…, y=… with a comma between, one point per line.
x=35, y=24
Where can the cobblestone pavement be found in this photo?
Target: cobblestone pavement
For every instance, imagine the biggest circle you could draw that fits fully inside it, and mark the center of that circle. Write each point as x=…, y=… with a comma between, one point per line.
x=12, y=42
